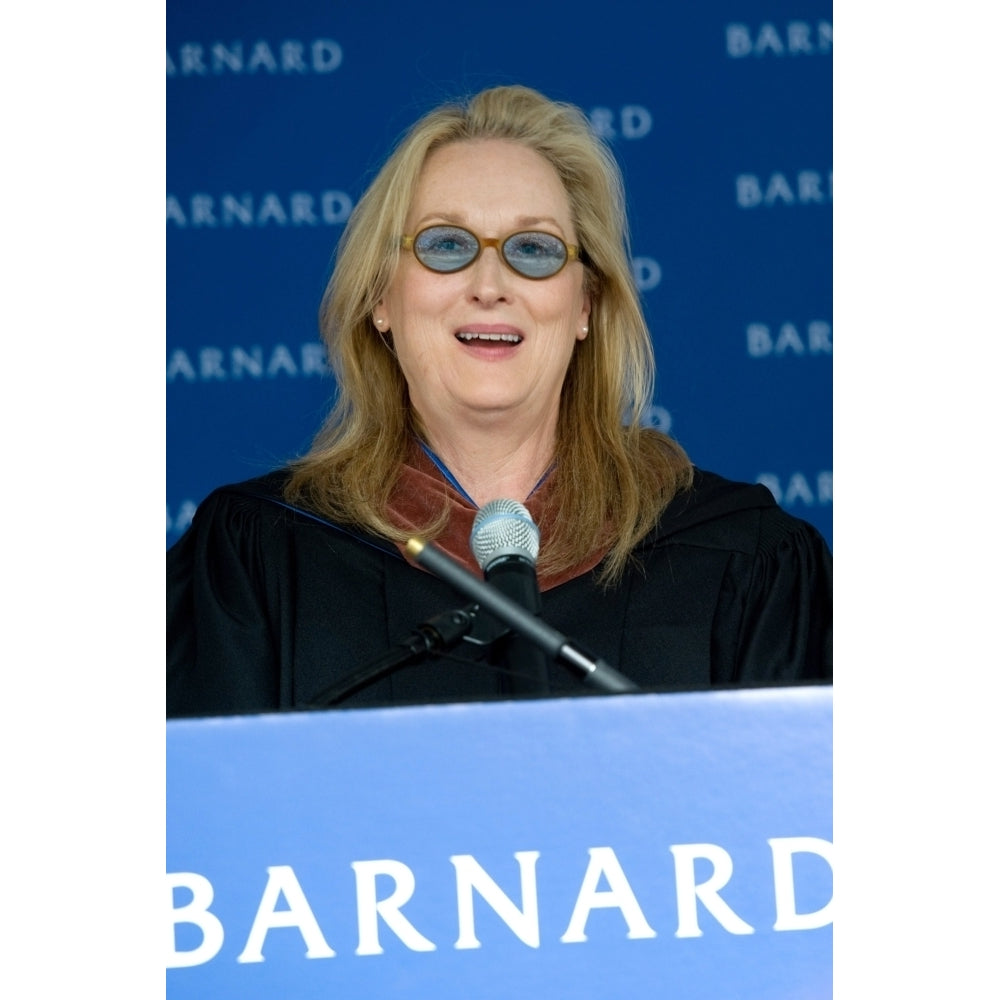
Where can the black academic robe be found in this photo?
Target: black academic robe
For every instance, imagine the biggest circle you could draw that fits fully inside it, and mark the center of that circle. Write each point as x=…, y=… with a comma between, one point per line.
x=267, y=606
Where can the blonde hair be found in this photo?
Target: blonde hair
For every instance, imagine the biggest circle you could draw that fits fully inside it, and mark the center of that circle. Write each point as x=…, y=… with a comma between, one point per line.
x=614, y=475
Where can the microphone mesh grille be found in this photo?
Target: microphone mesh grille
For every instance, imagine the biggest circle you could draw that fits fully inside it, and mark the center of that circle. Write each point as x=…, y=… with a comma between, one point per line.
x=503, y=528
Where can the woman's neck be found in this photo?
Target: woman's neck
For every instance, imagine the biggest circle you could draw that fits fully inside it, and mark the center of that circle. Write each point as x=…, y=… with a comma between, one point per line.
x=492, y=466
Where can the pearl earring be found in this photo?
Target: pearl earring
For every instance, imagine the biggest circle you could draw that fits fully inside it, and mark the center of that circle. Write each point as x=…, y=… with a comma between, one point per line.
x=379, y=322
x=586, y=329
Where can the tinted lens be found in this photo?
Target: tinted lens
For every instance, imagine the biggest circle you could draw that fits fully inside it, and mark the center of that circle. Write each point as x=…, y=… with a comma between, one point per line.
x=445, y=248
x=535, y=255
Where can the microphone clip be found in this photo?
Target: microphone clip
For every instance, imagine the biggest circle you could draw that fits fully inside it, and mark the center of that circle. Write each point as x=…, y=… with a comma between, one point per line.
x=438, y=634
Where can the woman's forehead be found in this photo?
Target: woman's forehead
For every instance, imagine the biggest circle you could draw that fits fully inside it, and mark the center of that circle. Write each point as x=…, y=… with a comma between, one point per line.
x=489, y=180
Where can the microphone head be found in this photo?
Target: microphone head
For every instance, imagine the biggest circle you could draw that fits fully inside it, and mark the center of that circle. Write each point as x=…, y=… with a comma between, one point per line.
x=503, y=528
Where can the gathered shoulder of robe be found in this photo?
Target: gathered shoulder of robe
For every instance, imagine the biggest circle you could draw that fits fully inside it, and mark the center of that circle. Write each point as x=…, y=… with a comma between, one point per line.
x=268, y=605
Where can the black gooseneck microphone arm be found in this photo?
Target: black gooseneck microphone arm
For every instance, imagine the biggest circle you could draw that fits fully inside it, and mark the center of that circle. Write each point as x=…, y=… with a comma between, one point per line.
x=437, y=634
x=527, y=664
x=595, y=673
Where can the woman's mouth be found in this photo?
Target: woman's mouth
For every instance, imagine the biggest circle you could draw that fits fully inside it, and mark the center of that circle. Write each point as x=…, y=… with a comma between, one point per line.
x=472, y=337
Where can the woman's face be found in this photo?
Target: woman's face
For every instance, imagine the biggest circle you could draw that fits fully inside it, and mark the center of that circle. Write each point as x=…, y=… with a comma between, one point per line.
x=486, y=344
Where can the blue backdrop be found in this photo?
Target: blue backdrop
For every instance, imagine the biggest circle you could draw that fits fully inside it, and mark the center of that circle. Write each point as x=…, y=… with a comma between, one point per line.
x=720, y=115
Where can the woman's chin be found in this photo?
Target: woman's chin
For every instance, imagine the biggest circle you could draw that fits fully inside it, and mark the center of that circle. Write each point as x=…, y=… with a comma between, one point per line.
x=494, y=404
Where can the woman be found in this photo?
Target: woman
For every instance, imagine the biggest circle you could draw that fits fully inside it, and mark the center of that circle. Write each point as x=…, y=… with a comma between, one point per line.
x=488, y=343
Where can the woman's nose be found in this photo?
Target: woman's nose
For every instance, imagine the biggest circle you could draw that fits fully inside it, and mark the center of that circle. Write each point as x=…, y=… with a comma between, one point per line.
x=488, y=275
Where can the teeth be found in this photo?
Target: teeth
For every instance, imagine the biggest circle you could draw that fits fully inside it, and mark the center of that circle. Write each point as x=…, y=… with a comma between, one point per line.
x=509, y=338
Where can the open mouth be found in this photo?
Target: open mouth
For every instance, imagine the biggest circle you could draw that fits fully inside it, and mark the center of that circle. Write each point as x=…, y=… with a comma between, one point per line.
x=488, y=338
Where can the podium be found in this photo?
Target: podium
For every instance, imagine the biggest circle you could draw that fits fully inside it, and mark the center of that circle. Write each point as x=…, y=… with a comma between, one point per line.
x=632, y=846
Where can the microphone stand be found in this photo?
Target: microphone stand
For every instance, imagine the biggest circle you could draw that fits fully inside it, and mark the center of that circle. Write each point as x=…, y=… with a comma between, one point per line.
x=437, y=634
x=593, y=672
x=527, y=665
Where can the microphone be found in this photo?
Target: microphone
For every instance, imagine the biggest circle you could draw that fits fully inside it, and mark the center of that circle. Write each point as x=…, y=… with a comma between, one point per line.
x=595, y=673
x=505, y=540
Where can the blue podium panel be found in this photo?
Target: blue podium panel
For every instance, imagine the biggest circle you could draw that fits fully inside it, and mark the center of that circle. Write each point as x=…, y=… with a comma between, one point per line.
x=654, y=845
